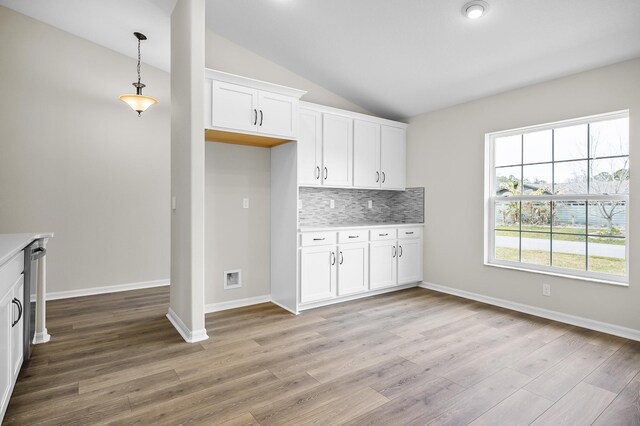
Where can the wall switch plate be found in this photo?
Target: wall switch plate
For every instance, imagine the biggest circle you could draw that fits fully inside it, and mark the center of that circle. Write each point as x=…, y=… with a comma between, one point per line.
x=370, y=204
x=546, y=289
x=173, y=202
x=332, y=204
x=299, y=204
x=245, y=203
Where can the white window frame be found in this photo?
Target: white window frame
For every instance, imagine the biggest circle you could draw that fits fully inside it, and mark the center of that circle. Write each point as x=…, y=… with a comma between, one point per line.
x=490, y=198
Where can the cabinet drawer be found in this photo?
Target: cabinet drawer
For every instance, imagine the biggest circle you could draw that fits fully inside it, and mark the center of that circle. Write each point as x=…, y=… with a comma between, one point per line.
x=353, y=236
x=410, y=232
x=317, y=238
x=10, y=272
x=383, y=234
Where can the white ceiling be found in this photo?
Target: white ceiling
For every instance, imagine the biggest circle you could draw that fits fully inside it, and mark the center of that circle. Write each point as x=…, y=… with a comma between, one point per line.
x=396, y=58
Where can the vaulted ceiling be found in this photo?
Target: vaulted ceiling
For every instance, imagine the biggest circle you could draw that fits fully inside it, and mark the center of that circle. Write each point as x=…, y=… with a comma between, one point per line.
x=394, y=58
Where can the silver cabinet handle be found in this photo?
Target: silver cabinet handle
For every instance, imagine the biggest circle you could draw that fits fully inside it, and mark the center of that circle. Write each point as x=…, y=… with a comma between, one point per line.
x=384, y=177
x=382, y=235
x=400, y=248
x=341, y=258
x=317, y=172
x=261, y=117
x=395, y=251
x=255, y=116
x=326, y=172
x=408, y=233
x=319, y=239
x=377, y=177
x=354, y=236
x=333, y=258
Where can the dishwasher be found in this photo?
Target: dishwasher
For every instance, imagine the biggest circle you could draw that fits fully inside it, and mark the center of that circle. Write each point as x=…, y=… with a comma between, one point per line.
x=32, y=253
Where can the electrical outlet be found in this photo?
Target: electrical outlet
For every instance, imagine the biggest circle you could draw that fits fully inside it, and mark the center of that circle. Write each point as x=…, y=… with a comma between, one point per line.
x=332, y=204
x=546, y=289
x=370, y=204
x=245, y=203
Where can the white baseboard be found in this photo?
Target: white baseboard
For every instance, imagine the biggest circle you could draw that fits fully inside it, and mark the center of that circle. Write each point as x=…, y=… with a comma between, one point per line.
x=107, y=289
x=41, y=337
x=603, y=327
x=188, y=335
x=239, y=303
x=284, y=307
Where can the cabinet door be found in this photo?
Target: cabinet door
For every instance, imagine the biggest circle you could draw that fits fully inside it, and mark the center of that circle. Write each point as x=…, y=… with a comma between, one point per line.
x=317, y=273
x=353, y=268
x=234, y=107
x=18, y=329
x=382, y=264
x=366, y=154
x=277, y=114
x=337, y=150
x=6, y=376
x=392, y=157
x=309, y=148
x=409, y=261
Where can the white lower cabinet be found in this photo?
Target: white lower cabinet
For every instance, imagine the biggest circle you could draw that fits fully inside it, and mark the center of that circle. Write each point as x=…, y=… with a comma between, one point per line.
x=409, y=261
x=17, y=330
x=339, y=263
x=383, y=264
x=6, y=376
x=353, y=268
x=11, y=327
x=317, y=273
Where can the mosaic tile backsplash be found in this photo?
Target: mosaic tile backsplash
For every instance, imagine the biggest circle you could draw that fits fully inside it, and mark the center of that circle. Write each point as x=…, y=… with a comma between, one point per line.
x=351, y=206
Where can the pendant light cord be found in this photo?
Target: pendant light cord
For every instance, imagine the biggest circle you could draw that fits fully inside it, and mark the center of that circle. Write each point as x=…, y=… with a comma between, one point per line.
x=138, y=61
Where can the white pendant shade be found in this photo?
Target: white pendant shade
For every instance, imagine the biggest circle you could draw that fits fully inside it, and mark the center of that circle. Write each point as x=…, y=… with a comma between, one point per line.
x=138, y=103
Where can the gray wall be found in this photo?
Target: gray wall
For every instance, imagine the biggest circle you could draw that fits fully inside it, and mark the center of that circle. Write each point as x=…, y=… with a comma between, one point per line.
x=445, y=153
x=235, y=237
x=224, y=55
x=77, y=161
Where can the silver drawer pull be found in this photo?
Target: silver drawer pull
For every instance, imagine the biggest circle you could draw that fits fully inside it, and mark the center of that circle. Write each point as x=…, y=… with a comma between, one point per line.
x=409, y=233
x=382, y=235
x=318, y=239
x=354, y=236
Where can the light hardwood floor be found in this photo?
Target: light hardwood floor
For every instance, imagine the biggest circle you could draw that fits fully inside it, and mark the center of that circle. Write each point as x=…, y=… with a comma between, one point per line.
x=413, y=357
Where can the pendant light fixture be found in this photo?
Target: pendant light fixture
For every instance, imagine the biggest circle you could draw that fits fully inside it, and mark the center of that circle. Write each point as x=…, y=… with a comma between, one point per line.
x=138, y=102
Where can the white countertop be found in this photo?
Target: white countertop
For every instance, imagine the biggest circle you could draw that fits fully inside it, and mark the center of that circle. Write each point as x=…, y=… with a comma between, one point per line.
x=10, y=244
x=373, y=225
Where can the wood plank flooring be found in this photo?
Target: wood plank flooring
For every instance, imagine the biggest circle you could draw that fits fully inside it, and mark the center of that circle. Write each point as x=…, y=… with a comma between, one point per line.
x=413, y=357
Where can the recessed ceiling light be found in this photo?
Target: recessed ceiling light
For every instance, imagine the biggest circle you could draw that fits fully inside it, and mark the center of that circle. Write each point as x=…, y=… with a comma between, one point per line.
x=475, y=9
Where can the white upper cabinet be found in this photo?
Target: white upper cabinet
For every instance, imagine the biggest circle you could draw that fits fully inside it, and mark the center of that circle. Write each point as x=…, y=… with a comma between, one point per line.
x=277, y=114
x=309, y=147
x=393, y=157
x=351, y=150
x=366, y=154
x=337, y=150
x=243, y=105
x=234, y=107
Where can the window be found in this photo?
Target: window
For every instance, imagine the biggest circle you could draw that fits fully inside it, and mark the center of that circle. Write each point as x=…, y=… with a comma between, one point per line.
x=558, y=197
